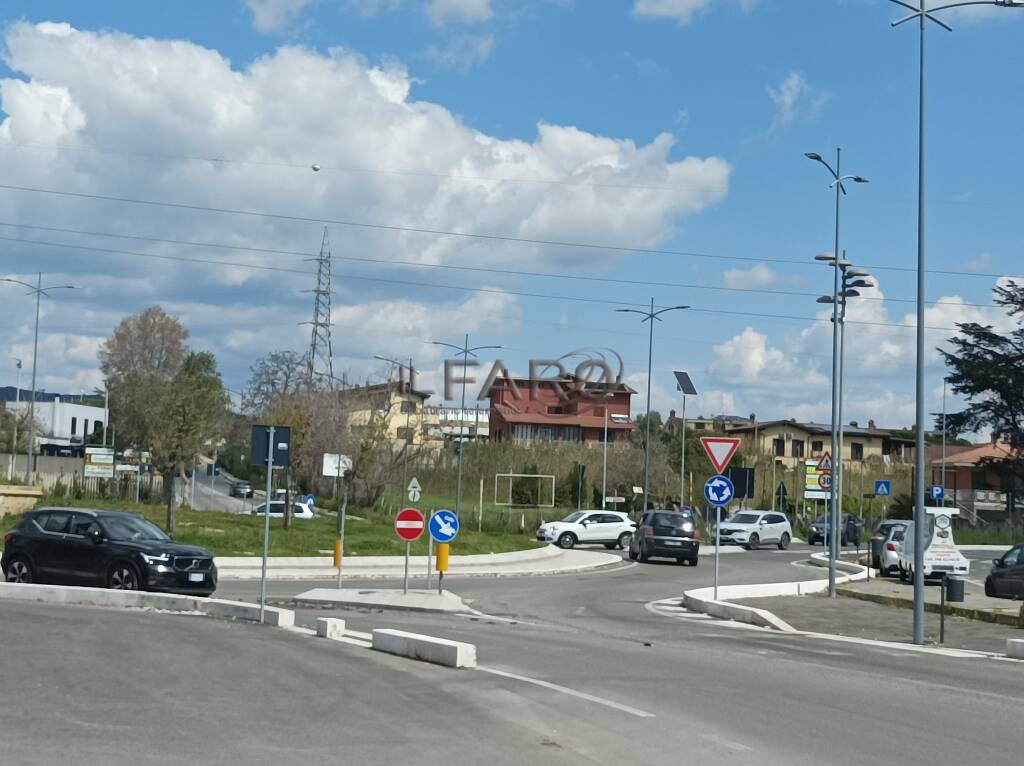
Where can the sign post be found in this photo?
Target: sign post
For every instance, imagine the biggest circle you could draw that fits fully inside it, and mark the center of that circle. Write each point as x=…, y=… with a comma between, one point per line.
x=718, y=491
x=444, y=526
x=339, y=544
x=268, y=447
x=408, y=527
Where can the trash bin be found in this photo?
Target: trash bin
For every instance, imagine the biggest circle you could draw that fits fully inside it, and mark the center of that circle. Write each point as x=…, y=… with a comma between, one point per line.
x=876, y=551
x=954, y=589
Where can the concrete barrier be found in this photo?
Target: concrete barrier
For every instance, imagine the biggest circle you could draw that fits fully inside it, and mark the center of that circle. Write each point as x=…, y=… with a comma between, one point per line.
x=1015, y=648
x=243, y=610
x=330, y=627
x=440, y=651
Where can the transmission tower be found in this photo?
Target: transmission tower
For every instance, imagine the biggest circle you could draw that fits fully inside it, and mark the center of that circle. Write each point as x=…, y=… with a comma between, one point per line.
x=318, y=363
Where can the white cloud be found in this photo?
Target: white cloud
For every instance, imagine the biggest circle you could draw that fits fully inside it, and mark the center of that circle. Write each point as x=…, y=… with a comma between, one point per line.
x=758, y=275
x=386, y=158
x=463, y=52
x=794, y=99
x=982, y=262
x=275, y=15
x=459, y=11
x=682, y=11
x=372, y=7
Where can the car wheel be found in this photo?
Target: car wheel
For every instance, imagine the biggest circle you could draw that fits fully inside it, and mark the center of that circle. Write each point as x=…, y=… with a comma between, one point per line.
x=883, y=571
x=19, y=570
x=903, y=574
x=642, y=555
x=693, y=561
x=753, y=542
x=784, y=541
x=566, y=540
x=625, y=539
x=632, y=555
x=682, y=560
x=990, y=588
x=123, y=577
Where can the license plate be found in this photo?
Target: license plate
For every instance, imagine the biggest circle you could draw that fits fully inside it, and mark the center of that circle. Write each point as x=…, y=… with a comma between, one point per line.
x=196, y=576
x=672, y=542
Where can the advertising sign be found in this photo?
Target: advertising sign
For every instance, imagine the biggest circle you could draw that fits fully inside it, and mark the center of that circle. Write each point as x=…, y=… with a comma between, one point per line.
x=813, y=481
x=99, y=463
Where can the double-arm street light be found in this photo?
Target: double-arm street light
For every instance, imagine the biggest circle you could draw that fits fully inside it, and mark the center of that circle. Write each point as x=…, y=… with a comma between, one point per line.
x=838, y=183
x=649, y=316
x=922, y=14
x=465, y=352
x=39, y=291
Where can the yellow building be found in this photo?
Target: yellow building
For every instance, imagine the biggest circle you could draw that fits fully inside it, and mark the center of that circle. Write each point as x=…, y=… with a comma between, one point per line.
x=392, y=409
x=791, y=443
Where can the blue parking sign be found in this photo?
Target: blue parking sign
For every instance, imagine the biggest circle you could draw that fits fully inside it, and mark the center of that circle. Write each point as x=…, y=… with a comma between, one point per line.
x=937, y=493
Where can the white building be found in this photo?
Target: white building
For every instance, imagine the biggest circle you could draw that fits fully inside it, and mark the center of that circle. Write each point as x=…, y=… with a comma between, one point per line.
x=62, y=419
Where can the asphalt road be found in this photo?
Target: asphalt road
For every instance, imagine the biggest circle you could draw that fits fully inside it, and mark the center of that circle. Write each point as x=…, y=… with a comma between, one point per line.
x=658, y=685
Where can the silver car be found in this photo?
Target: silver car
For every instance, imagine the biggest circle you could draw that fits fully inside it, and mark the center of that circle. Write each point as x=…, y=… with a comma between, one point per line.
x=889, y=554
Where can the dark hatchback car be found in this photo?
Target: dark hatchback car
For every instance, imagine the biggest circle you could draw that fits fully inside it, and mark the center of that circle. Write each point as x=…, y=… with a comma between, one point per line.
x=1006, y=580
x=111, y=549
x=666, y=534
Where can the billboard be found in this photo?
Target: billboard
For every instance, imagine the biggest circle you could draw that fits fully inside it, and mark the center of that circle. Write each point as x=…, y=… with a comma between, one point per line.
x=813, y=485
x=99, y=463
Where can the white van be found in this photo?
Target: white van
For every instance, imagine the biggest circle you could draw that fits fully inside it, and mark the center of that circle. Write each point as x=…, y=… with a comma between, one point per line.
x=941, y=556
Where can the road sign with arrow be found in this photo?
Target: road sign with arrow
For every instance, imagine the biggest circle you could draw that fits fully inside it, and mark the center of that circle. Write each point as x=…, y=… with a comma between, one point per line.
x=414, y=490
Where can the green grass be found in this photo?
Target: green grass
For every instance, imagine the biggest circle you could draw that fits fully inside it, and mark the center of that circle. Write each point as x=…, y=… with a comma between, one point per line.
x=982, y=536
x=227, y=534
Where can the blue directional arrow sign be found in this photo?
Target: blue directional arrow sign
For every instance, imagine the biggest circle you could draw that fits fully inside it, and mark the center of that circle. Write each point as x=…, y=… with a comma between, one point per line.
x=883, y=487
x=444, y=526
x=718, y=490
x=310, y=500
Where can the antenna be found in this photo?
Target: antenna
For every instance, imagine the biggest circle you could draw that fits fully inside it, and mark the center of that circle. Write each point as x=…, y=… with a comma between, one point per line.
x=318, y=362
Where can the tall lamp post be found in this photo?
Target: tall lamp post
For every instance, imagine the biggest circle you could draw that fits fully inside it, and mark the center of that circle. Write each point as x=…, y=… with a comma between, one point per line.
x=17, y=402
x=649, y=316
x=837, y=459
x=465, y=352
x=921, y=13
x=39, y=291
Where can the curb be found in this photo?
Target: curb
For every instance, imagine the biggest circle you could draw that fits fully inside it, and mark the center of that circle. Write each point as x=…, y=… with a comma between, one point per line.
x=981, y=615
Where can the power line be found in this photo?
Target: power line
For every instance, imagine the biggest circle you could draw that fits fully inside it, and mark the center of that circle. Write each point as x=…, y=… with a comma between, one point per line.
x=466, y=288
x=462, y=234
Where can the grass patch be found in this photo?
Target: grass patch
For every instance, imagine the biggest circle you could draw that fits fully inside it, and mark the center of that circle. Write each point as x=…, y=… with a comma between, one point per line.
x=228, y=534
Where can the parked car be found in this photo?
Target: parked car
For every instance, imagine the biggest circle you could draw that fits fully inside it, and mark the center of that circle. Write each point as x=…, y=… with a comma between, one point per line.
x=889, y=550
x=1006, y=580
x=941, y=556
x=752, y=528
x=612, y=529
x=111, y=549
x=881, y=536
x=666, y=534
x=850, y=530
x=241, y=489
x=300, y=510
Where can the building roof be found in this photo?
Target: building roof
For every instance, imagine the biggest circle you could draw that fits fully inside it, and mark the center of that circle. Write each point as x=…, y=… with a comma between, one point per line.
x=823, y=429
x=620, y=387
x=10, y=394
x=383, y=388
x=971, y=456
x=585, y=421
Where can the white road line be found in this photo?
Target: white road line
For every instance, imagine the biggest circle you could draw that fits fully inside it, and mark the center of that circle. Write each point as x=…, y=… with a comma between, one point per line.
x=727, y=743
x=571, y=692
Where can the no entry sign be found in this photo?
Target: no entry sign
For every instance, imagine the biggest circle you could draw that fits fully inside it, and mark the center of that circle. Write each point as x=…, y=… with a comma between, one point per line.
x=409, y=524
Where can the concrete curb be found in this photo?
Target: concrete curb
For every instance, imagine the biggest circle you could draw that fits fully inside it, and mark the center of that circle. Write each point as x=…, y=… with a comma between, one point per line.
x=228, y=563
x=440, y=651
x=1015, y=648
x=981, y=615
x=703, y=599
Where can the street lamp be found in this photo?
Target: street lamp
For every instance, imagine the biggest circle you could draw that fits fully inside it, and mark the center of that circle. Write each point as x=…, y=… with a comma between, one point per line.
x=649, y=316
x=922, y=13
x=38, y=290
x=465, y=352
x=852, y=281
x=17, y=406
x=837, y=264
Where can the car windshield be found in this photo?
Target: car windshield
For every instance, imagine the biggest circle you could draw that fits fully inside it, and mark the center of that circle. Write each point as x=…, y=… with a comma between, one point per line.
x=669, y=519
x=576, y=516
x=133, y=528
x=744, y=518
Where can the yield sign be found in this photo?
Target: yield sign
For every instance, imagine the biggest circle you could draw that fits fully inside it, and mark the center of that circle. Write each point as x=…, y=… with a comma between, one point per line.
x=720, y=450
x=825, y=464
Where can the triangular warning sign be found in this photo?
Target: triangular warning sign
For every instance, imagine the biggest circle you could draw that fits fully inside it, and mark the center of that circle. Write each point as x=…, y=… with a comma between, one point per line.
x=825, y=464
x=414, y=486
x=720, y=450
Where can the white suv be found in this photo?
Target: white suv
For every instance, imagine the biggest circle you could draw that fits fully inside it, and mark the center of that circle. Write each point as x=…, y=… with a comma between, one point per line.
x=300, y=510
x=610, y=528
x=752, y=528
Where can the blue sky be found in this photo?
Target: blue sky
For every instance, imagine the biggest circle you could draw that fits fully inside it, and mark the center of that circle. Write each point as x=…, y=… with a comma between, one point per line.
x=674, y=125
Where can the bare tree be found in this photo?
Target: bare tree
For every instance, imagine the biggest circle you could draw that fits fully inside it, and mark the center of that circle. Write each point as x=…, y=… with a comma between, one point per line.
x=278, y=374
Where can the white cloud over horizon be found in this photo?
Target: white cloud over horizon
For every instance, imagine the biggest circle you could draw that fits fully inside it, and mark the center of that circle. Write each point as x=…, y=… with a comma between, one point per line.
x=795, y=99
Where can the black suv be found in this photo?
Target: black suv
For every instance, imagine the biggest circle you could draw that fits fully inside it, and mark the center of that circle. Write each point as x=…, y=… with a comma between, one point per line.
x=668, y=534
x=112, y=549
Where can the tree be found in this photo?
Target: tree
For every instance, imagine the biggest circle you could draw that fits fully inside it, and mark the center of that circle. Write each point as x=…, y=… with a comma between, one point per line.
x=189, y=417
x=140, y=358
x=988, y=368
x=278, y=374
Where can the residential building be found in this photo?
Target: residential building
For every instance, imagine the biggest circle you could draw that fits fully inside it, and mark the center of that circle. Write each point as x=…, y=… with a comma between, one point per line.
x=713, y=423
x=64, y=420
x=455, y=423
x=976, y=486
x=395, y=408
x=791, y=442
x=527, y=411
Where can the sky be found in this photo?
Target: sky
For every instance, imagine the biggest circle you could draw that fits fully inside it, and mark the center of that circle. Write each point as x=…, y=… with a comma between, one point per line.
x=516, y=170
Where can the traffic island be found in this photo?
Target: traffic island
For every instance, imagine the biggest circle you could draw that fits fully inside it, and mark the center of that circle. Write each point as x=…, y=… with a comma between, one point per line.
x=374, y=598
x=893, y=593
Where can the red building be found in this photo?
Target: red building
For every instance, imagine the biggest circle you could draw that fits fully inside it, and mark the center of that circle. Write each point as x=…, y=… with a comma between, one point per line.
x=556, y=411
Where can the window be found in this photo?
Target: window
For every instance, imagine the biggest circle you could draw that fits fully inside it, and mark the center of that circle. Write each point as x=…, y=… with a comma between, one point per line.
x=404, y=433
x=779, y=447
x=817, y=447
x=82, y=524
x=698, y=426
x=74, y=426
x=408, y=408
x=798, y=448
x=570, y=434
x=856, y=451
x=609, y=518
x=55, y=522
x=775, y=518
x=1012, y=557
x=545, y=433
x=523, y=432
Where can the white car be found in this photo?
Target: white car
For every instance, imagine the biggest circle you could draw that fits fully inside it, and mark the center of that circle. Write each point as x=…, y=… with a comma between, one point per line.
x=751, y=529
x=300, y=510
x=610, y=528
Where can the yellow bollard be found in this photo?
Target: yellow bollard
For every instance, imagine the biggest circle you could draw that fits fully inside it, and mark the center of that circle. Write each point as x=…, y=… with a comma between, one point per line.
x=337, y=552
x=442, y=557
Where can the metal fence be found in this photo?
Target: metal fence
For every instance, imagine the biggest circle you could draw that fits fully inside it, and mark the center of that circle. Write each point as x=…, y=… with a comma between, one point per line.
x=75, y=486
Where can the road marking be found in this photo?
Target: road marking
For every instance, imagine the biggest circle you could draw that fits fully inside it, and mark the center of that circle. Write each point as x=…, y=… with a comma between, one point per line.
x=571, y=692
x=727, y=743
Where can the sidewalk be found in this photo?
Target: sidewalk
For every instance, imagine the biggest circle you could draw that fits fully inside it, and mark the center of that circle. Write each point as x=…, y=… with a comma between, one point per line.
x=975, y=606
x=536, y=561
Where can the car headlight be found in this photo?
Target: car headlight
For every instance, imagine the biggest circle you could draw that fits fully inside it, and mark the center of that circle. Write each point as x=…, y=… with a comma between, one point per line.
x=151, y=559
x=687, y=527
